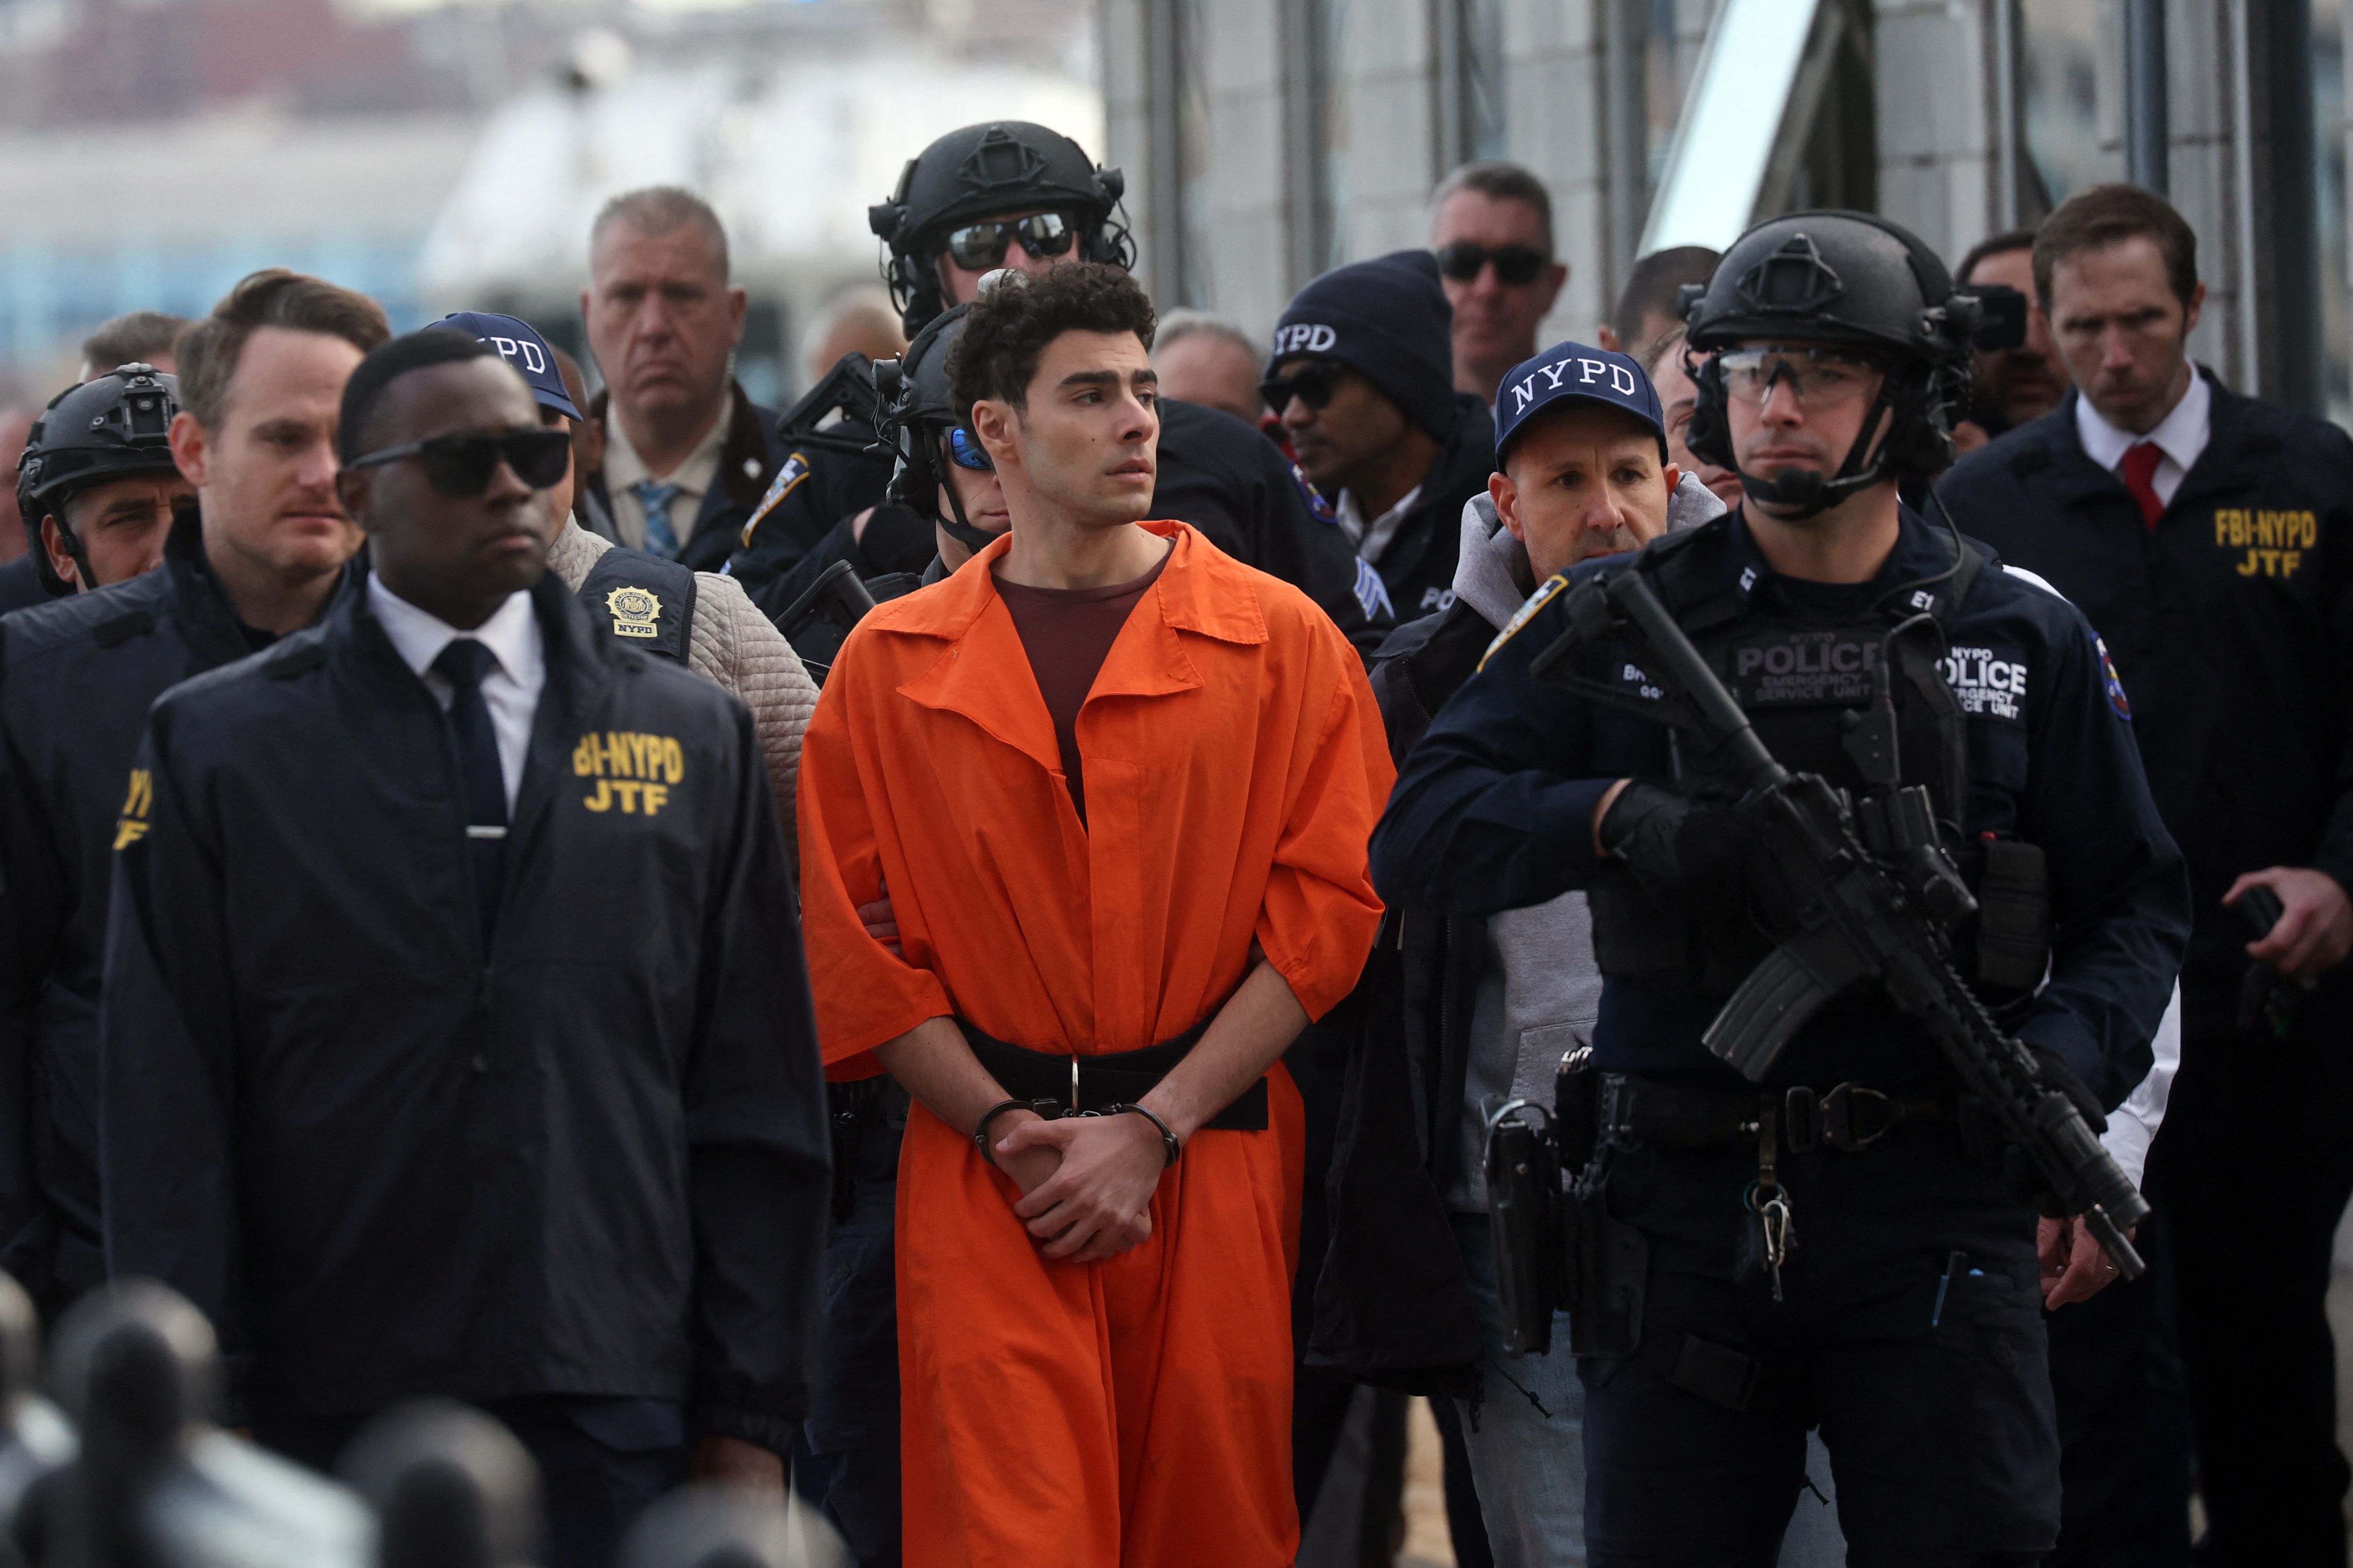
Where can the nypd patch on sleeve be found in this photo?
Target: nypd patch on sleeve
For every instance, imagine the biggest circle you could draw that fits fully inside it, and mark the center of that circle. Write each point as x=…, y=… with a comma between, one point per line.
x=2113, y=681
x=788, y=479
x=1313, y=497
x=1526, y=613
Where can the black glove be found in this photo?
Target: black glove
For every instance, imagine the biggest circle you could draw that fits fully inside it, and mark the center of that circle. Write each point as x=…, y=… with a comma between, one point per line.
x=2052, y=1069
x=1675, y=845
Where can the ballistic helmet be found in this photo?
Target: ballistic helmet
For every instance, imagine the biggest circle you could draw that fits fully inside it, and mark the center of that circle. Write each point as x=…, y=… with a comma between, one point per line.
x=114, y=426
x=980, y=170
x=918, y=417
x=1853, y=282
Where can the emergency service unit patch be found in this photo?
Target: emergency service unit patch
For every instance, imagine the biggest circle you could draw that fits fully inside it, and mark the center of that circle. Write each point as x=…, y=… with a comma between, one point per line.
x=1523, y=615
x=2113, y=681
x=1986, y=682
x=637, y=612
x=1806, y=667
x=788, y=478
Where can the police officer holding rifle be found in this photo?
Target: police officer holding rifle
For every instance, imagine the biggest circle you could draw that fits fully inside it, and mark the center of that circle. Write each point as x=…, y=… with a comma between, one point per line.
x=1886, y=920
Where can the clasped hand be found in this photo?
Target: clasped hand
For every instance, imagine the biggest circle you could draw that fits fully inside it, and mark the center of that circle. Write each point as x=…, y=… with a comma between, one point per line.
x=1086, y=1181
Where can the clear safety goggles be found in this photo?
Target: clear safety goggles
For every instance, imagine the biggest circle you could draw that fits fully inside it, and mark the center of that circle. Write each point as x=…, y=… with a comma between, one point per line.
x=1817, y=378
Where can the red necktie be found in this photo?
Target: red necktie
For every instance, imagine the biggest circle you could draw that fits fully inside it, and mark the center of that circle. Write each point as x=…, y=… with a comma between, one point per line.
x=2138, y=470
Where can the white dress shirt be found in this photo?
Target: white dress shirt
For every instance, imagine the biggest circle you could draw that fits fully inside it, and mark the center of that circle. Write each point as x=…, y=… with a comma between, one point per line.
x=511, y=690
x=2180, y=436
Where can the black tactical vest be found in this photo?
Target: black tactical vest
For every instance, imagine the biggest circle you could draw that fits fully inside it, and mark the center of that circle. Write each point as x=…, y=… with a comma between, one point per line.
x=1806, y=681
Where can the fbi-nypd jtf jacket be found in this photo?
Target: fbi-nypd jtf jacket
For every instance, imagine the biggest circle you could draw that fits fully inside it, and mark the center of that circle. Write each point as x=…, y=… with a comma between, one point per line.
x=1493, y=810
x=2232, y=624
x=588, y=1159
x=76, y=677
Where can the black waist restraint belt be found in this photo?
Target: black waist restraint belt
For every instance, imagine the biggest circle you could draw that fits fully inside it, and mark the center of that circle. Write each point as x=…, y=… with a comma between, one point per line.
x=1117, y=1078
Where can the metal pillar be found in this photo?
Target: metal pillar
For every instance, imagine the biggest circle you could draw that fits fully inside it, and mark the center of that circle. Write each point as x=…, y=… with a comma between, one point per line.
x=2008, y=121
x=1626, y=25
x=1164, y=66
x=2282, y=61
x=2147, y=159
x=1307, y=75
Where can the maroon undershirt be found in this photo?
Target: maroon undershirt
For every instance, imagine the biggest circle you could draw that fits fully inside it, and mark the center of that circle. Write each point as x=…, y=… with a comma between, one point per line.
x=1068, y=634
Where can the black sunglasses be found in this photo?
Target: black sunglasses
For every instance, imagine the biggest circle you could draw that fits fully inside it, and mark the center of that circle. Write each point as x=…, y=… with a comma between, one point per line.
x=1517, y=266
x=461, y=464
x=978, y=247
x=1312, y=384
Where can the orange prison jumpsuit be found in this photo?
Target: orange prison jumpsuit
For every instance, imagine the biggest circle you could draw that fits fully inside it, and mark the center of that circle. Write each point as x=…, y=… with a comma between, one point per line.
x=1134, y=1412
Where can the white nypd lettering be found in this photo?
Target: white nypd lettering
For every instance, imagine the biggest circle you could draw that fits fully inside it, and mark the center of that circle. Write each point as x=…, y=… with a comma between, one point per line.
x=1304, y=338
x=1985, y=682
x=514, y=348
x=1433, y=599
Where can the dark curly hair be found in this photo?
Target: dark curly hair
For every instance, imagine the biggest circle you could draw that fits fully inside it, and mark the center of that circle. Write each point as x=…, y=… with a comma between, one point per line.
x=1007, y=329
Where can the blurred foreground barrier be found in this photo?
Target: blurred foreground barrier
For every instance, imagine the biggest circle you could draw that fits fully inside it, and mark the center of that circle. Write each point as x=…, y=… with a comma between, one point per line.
x=127, y=1470
x=153, y=1483
x=711, y=1527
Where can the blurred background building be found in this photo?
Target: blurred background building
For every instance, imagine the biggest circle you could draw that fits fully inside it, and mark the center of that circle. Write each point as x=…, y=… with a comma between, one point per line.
x=1266, y=140
x=448, y=154
x=444, y=154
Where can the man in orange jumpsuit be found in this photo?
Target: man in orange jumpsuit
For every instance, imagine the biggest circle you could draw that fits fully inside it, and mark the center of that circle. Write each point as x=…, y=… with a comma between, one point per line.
x=1118, y=788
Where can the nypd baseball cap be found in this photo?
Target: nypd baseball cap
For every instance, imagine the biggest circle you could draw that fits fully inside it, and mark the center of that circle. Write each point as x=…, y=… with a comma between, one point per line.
x=1575, y=371
x=520, y=344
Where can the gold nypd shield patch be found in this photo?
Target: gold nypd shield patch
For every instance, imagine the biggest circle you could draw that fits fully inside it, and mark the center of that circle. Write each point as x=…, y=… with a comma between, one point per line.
x=637, y=612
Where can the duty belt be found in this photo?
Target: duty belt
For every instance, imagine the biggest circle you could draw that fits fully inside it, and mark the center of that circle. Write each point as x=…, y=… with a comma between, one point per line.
x=1847, y=1117
x=1083, y=1083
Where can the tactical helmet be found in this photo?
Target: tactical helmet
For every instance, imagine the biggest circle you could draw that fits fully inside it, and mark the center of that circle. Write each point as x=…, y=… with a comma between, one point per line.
x=984, y=169
x=919, y=413
x=1846, y=280
x=114, y=426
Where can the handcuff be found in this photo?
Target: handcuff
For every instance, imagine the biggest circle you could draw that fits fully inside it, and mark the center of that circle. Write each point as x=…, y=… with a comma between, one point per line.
x=1053, y=1111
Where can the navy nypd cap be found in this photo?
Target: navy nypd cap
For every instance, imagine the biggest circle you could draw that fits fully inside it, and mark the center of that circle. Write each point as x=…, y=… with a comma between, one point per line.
x=1577, y=371
x=520, y=344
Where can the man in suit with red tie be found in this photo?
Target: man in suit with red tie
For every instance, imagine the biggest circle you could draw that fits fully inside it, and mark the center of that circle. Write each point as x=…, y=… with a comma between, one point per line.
x=2208, y=538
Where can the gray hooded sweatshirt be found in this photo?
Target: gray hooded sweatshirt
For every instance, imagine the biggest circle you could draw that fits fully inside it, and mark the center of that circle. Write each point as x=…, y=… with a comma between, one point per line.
x=1539, y=988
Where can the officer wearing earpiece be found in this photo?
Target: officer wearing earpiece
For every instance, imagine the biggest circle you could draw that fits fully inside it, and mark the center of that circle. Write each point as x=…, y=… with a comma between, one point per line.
x=1839, y=1245
x=1015, y=194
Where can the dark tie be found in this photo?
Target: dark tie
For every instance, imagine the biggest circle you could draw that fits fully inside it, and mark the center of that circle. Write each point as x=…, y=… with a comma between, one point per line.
x=2138, y=470
x=463, y=664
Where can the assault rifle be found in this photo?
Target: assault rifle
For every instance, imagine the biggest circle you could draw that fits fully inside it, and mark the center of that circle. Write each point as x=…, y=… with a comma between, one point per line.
x=1869, y=905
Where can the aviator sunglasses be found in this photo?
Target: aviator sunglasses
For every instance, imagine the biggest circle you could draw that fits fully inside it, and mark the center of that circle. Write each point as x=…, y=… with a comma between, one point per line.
x=977, y=248
x=1312, y=384
x=460, y=465
x=1517, y=266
